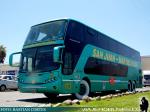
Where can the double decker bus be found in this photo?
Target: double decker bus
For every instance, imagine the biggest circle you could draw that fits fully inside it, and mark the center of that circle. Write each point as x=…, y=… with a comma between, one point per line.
x=65, y=56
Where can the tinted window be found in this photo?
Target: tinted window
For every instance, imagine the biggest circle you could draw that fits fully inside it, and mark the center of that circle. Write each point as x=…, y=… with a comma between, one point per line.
x=67, y=63
x=74, y=43
x=38, y=59
x=103, y=42
x=91, y=35
x=7, y=77
x=114, y=45
x=44, y=59
x=91, y=32
x=77, y=31
x=110, y=44
x=102, y=67
x=53, y=30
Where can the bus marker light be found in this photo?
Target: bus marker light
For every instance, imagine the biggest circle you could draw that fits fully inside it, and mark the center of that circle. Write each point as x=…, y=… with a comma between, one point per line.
x=112, y=80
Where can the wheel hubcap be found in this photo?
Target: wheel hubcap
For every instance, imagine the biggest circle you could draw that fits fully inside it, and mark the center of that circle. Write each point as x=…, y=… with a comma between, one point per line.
x=82, y=89
x=3, y=88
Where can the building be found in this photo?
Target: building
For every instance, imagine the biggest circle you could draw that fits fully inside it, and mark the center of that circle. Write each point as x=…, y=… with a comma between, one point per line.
x=8, y=70
x=145, y=60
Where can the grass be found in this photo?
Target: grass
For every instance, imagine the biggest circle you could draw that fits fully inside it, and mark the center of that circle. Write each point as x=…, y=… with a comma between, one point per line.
x=117, y=104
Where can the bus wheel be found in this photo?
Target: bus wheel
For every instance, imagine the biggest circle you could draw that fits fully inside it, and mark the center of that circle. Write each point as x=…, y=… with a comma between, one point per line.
x=129, y=86
x=84, y=90
x=134, y=86
x=51, y=96
x=3, y=88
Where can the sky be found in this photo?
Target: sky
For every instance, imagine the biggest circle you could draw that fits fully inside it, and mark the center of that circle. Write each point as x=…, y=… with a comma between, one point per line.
x=127, y=21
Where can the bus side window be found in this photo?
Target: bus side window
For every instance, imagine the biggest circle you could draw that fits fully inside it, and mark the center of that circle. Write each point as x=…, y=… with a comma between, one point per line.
x=91, y=36
x=91, y=32
x=77, y=32
x=102, y=67
x=67, y=64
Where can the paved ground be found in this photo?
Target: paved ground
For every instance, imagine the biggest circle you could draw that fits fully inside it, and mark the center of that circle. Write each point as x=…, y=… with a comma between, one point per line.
x=15, y=98
x=143, y=89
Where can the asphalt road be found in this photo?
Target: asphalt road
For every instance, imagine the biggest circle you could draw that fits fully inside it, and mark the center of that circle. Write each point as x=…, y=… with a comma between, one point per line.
x=15, y=99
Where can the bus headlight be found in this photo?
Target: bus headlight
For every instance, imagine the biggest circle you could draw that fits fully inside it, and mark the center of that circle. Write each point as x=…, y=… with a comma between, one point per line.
x=53, y=79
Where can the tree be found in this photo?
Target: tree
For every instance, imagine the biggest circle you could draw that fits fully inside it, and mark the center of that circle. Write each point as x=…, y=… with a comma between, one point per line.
x=2, y=53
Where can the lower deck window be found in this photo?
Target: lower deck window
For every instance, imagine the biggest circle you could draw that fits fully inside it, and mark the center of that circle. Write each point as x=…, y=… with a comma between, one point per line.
x=102, y=67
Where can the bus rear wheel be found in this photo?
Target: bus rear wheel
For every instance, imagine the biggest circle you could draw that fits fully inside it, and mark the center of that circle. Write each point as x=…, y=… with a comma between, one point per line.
x=129, y=86
x=134, y=86
x=51, y=96
x=84, y=90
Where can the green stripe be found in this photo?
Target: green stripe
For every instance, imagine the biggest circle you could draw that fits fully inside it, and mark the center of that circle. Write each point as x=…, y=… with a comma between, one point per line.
x=113, y=57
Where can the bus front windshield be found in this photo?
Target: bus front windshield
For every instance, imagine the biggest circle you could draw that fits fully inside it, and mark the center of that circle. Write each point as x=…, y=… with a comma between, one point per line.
x=54, y=30
x=39, y=59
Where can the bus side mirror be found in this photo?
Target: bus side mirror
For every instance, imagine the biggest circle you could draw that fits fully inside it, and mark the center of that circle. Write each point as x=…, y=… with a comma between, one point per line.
x=57, y=54
x=14, y=59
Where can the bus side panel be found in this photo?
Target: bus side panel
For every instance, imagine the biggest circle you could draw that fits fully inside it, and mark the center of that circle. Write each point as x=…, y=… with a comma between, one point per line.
x=102, y=82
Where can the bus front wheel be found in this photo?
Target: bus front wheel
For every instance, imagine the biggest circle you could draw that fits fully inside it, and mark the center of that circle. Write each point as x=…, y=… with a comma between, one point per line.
x=84, y=90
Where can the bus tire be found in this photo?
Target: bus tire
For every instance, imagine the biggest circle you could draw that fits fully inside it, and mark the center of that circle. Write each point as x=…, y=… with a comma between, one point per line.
x=84, y=90
x=134, y=86
x=2, y=88
x=129, y=86
x=51, y=96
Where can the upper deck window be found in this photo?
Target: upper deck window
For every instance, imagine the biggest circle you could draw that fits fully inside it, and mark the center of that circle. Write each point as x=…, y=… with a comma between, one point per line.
x=54, y=30
x=76, y=31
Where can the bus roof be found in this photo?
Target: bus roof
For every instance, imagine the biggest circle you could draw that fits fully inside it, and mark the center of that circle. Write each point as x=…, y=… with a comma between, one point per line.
x=50, y=21
x=70, y=19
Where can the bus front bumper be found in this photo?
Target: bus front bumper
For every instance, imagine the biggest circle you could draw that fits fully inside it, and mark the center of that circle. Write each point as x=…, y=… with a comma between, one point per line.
x=39, y=88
